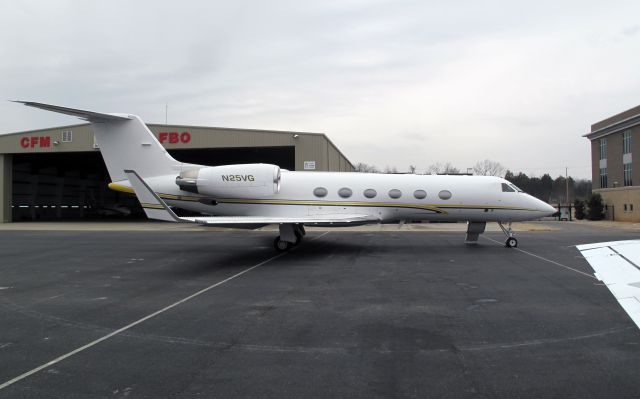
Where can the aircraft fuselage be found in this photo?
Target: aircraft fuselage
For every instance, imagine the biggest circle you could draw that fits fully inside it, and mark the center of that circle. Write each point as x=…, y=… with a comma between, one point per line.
x=388, y=197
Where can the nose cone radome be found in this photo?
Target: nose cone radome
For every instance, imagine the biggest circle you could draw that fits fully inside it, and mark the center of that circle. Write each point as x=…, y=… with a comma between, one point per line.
x=547, y=209
x=540, y=206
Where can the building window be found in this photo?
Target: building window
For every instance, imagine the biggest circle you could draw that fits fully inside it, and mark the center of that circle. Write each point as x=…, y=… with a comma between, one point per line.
x=603, y=148
x=603, y=177
x=627, y=174
x=630, y=207
x=626, y=142
x=67, y=136
x=625, y=207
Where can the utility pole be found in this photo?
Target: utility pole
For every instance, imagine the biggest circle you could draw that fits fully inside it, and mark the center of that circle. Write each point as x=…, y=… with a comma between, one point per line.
x=566, y=180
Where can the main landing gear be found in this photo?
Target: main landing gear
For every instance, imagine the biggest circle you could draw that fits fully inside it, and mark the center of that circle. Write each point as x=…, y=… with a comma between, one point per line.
x=511, y=241
x=291, y=234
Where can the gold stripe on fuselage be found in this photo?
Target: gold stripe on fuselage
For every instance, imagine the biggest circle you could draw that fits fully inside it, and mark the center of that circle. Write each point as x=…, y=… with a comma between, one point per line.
x=427, y=207
x=126, y=189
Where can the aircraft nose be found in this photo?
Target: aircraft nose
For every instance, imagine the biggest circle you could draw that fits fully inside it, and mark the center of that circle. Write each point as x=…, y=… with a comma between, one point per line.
x=541, y=206
x=547, y=209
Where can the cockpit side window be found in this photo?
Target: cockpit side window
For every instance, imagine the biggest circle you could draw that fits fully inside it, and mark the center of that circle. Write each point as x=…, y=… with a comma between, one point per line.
x=513, y=186
x=506, y=188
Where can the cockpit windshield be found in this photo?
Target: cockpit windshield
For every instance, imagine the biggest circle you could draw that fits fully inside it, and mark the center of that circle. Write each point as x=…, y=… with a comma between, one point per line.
x=510, y=188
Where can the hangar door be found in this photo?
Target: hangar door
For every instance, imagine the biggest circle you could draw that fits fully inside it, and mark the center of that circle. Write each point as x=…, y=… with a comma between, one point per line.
x=73, y=185
x=66, y=186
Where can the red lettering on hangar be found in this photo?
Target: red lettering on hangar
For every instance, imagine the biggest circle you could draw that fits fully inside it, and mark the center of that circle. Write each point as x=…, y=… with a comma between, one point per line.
x=35, y=141
x=174, y=137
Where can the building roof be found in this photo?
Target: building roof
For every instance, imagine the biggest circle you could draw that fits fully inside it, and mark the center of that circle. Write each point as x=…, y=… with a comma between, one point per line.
x=168, y=126
x=615, y=124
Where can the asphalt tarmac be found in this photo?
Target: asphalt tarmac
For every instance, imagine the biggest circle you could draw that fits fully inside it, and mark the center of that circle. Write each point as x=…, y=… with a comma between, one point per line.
x=153, y=314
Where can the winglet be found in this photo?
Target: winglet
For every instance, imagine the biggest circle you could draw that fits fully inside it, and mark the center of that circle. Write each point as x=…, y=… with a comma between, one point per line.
x=153, y=206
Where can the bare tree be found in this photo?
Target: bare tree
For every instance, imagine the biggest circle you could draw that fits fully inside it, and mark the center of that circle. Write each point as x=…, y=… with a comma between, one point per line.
x=489, y=168
x=443, y=169
x=389, y=169
x=365, y=168
x=412, y=169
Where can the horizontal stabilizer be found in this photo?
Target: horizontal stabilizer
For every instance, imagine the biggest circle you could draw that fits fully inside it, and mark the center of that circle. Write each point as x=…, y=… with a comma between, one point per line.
x=87, y=115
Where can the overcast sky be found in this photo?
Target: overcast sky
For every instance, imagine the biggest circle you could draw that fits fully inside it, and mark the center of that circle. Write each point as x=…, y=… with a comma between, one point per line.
x=392, y=83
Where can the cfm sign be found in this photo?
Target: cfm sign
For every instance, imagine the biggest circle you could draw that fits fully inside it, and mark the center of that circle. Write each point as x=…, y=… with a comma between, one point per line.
x=35, y=141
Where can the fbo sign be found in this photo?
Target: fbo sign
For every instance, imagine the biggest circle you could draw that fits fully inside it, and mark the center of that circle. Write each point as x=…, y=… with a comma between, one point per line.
x=174, y=137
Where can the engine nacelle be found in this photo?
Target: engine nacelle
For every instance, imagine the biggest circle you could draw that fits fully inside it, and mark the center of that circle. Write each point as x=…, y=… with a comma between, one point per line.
x=236, y=181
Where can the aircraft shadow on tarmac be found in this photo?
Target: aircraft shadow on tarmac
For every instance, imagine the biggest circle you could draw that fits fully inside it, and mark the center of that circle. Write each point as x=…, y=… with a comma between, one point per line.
x=253, y=252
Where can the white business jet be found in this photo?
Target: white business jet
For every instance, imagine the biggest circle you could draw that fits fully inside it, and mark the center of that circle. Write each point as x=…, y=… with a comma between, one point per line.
x=254, y=195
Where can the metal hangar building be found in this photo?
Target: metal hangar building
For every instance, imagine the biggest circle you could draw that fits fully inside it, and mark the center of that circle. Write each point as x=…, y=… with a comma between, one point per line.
x=59, y=174
x=615, y=174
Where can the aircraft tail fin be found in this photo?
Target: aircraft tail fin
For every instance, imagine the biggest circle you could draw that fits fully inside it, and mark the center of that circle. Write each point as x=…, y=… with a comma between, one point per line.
x=154, y=207
x=124, y=140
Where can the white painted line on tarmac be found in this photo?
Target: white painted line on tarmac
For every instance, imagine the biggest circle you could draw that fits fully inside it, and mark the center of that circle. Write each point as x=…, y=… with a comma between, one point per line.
x=142, y=320
x=546, y=260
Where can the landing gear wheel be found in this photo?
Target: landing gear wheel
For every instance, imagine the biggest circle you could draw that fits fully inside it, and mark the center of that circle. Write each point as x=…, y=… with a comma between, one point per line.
x=511, y=242
x=281, y=245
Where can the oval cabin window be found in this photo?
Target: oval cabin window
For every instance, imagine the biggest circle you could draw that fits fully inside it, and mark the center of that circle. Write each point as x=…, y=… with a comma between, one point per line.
x=345, y=192
x=395, y=193
x=320, y=192
x=444, y=194
x=420, y=194
x=370, y=193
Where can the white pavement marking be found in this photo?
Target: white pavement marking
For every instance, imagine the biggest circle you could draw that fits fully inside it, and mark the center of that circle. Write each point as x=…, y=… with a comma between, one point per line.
x=547, y=260
x=142, y=320
x=544, y=341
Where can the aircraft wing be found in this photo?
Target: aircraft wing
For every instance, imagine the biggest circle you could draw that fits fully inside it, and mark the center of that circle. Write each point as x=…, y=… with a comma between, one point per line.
x=617, y=265
x=156, y=208
x=335, y=220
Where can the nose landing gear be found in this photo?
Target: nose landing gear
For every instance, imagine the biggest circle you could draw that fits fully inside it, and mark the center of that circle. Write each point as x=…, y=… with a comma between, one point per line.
x=511, y=241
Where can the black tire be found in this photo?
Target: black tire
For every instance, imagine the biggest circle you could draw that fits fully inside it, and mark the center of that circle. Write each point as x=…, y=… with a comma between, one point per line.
x=280, y=245
x=511, y=242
